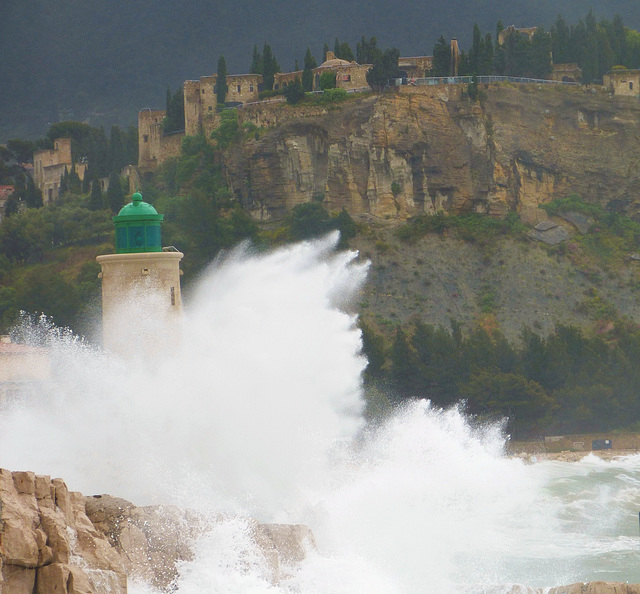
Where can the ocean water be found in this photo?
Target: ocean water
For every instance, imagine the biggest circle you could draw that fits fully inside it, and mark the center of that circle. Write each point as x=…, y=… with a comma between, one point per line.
x=255, y=409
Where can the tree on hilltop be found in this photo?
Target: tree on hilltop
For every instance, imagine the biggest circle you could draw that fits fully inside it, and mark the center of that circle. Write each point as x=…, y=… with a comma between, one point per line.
x=115, y=193
x=173, y=122
x=221, y=81
x=307, y=74
x=441, y=58
x=367, y=51
x=256, y=62
x=385, y=66
x=270, y=67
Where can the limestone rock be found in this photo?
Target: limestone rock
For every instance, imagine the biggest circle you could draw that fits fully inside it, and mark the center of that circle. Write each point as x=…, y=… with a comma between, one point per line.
x=521, y=148
x=46, y=539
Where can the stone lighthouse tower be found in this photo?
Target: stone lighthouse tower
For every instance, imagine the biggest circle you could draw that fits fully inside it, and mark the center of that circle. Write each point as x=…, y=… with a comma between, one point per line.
x=138, y=279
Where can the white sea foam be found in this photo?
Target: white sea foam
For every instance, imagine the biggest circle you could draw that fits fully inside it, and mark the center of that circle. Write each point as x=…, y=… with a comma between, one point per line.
x=256, y=410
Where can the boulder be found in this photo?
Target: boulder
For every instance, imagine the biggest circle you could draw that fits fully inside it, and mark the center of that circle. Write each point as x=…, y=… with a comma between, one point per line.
x=47, y=542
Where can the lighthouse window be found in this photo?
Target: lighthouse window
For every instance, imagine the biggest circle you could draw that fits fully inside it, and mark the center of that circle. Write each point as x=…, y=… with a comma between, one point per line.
x=121, y=237
x=173, y=295
x=153, y=236
x=136, y=237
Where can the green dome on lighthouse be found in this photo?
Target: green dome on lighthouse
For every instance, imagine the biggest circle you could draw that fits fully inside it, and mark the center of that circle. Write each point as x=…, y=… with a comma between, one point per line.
x=138, y=227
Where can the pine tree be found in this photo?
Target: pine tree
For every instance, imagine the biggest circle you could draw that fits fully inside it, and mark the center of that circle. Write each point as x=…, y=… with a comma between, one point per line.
x=221, y=81
x=441, y=58
x=384, y=68
x=539, y=58
x=294, y=92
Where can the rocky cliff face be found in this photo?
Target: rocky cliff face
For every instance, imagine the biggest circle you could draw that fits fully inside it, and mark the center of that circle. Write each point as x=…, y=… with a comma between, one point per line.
x=425, y=149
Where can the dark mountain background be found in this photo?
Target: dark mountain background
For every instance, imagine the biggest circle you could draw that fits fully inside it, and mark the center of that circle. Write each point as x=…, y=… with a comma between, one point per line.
x=100, y=61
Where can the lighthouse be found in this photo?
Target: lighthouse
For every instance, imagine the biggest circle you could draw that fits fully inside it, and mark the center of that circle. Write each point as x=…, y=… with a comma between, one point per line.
x=141, y=298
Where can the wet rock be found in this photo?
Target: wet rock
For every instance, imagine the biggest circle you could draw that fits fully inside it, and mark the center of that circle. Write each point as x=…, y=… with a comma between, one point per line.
x=48, y=542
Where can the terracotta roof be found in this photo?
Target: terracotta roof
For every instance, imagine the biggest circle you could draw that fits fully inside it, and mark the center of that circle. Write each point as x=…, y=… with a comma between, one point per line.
x=13, y=348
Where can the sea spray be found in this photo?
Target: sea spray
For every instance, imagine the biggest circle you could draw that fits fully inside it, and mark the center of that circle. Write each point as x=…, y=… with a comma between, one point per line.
x=264, y=379
x=255, y=409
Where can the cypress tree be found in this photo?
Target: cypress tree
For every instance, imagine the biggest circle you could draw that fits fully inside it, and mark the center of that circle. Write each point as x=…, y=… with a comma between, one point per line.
x=221, y=81
x=131, y=145
x=117, y=159
x=86, y=180
x=346, y=53
x=115, y=193
x=367, y=51
x=560, y=41
x=486, y=60
x=64, y=183
x=307, y=74
x=96, y=200
x=269, y=67
x=74, y=185
x=476, y=50
x=256, y=62
x=33, y=196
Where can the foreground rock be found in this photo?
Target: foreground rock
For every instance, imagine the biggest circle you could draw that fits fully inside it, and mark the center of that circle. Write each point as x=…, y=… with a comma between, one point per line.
x=56, y=541
x=153, y=540
x=47, y=542
x=53, y=540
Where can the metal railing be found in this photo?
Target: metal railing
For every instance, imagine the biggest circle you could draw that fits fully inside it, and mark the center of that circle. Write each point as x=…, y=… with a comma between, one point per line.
x=456, y=80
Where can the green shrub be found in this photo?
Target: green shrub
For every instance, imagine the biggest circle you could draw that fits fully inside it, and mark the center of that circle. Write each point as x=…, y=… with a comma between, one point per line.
x=573, y=202
x=228, y=130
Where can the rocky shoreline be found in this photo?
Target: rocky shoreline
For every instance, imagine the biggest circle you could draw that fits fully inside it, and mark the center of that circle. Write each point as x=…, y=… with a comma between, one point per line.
x=56, y=541
x=569, y=456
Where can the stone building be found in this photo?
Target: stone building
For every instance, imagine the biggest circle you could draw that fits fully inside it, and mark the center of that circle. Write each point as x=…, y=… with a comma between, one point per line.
x=200, y=99
x=154, y=146
x=349, y=75
x=570, y=72
x=622, y=82
x=529, y=32
x=416, y=66
x=49, y=166
x=5, y=193
x=20, y=366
